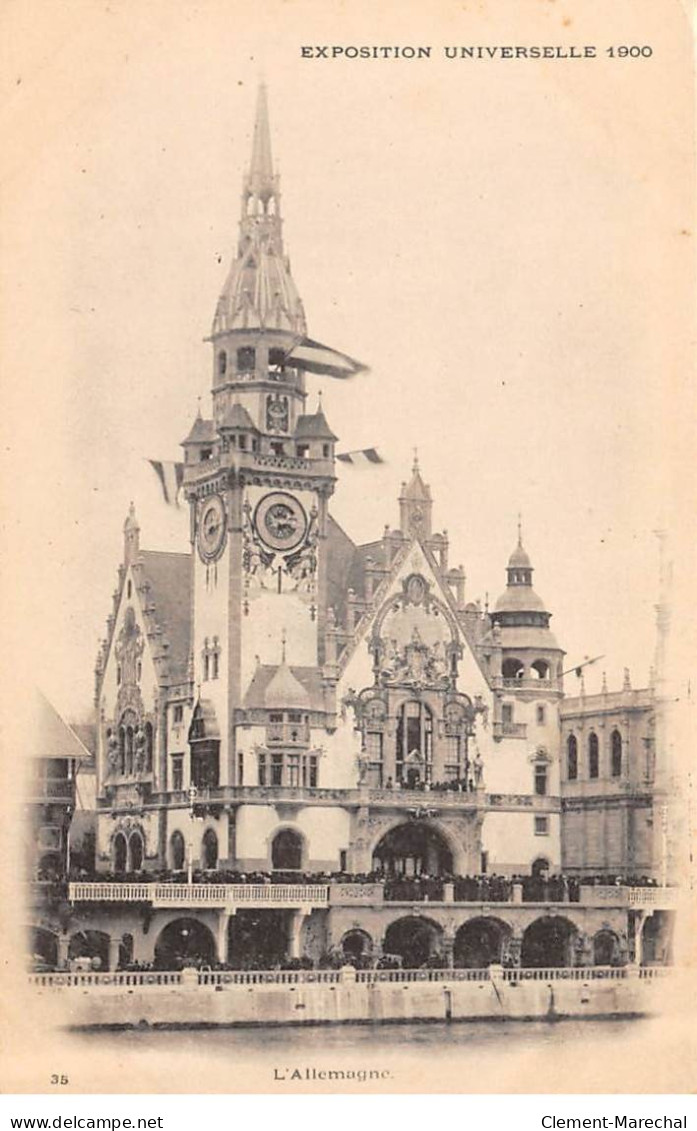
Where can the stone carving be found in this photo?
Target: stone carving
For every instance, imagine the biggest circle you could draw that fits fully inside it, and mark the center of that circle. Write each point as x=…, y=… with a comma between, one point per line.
x=277, y=415
x=129, y=649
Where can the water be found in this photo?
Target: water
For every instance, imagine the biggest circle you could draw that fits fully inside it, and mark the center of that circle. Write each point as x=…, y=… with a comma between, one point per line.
x=479, y=1056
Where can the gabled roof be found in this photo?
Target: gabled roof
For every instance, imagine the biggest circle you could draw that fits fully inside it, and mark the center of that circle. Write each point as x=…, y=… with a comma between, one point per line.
x=313, y=427
x=169, y=575
x=202, y=432
x=237, y=416
x=284, y=689
x=53, y=738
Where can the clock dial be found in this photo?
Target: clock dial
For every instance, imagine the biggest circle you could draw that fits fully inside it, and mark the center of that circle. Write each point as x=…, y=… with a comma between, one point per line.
x=211, y=527
x=280, y=521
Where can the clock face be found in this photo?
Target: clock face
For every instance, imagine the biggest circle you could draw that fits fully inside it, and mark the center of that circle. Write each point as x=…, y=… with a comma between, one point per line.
x=280, y=521
x=211, y=527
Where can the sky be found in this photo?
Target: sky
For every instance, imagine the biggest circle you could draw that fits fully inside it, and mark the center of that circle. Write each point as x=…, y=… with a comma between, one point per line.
x=506, y=244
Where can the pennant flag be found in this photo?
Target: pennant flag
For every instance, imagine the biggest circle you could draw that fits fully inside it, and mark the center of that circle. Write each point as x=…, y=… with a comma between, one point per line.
x=171, y=476
x=360, y=456
x=313, y=357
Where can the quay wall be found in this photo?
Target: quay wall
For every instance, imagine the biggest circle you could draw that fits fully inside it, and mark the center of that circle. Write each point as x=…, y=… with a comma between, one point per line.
x=353, y=1002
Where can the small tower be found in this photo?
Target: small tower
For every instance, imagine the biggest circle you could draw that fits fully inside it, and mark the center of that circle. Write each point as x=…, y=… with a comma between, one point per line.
x=415, y=505
x=131, y=537
x=530, y=654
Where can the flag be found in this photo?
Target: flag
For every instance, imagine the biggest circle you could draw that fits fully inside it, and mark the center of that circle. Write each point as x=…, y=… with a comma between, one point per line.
x=171, y=475
x=361, y=455
x=313, y=357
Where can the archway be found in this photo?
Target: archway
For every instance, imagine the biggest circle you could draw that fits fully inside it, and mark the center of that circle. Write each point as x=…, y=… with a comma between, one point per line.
x=257, y=939
x=287, y=851
x=657, y=939
x=135, y=848
x=125, y=951
x=540, y=867
x=480, y=942
x=91, y=944
x=548, y=942
x=44, y=947
x=177, y=851
x=209, y=850
x=120, y=849
x=184, y=942
x=415, y=939
x=606, y=947
x=413, y=849
x=356, y=945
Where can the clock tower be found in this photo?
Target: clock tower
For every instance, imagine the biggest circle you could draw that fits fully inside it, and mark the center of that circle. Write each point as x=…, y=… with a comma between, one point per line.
x=258, y=475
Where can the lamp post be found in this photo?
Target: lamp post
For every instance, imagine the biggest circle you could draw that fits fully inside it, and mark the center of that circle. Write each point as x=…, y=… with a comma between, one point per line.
x=190, y=854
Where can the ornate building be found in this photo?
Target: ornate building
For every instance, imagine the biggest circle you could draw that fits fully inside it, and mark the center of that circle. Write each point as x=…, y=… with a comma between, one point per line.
x=279, y=699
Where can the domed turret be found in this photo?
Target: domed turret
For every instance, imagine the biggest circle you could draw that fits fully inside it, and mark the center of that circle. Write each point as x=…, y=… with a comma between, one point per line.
x=530, y=651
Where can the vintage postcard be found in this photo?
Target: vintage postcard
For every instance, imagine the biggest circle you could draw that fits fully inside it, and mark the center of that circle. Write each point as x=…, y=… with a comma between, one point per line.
x=348, y=505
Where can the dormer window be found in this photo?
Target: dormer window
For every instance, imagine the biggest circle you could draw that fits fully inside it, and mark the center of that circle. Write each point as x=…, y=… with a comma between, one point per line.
x=206, y=454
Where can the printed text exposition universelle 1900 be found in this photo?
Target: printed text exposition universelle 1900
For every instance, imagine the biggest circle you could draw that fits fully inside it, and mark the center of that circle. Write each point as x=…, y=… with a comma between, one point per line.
x=558, y=51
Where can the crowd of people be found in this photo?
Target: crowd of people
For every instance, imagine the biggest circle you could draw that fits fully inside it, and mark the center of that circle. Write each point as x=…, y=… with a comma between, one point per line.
x=482, y=888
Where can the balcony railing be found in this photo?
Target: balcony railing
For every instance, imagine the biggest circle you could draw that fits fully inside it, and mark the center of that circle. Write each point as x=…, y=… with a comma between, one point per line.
x=636, y=898
x=417, y=799
x=510, y=730
x=203, y=895
x=154, y=978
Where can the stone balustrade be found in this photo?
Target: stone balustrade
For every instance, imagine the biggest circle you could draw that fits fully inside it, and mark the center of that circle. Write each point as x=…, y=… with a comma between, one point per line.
x=203, y=895
x=155, y=978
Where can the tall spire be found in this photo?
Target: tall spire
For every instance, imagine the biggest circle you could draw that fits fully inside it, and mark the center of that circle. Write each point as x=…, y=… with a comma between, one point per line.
x=260, y=180
x=259, y=293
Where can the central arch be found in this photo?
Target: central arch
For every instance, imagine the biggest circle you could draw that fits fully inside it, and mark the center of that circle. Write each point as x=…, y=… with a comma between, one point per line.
x=414, y=848
x=184, y=942
x=480, y=941
x=415, y=939
x=258, y=939
x=548, y=942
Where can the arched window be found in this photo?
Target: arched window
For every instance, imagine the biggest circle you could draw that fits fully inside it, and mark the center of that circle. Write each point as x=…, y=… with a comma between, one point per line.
x=149, y=742
x=287, y=851
x=135, y=848
x=540, y=669
x=209, y=850
x=222, y=363
x=120, y=853
x=572, y=758
x=616, y=753
x=511, y=668
x=593, y=756
x=414, y=743
x=177, y=851
x=122, y=750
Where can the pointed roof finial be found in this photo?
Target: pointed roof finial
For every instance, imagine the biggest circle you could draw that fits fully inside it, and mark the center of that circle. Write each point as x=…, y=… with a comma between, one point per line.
x=283, y=645
x=261, y=167
x=415, y=468
x=520, y=529
x=604, y=687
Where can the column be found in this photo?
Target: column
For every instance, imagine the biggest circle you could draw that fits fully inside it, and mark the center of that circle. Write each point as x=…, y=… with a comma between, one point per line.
x=297, y=918
x=63, y=944
x=114, y=944
x=448, y=948
x=222, y=934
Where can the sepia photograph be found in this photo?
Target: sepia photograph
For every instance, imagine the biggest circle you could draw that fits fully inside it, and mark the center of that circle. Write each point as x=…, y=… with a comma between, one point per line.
x=349, y=515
